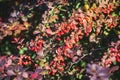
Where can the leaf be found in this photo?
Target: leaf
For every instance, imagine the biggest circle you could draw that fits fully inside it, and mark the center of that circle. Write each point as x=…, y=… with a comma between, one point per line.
x=86, y=6
x=74, y=58
x=30, y=15
x=8, y=32
x=106, y=33
x=80, y=76
x=114, y=14
x=24, y=48
x=92, y=38
x=1, y=69
x=36, y=32
x=77, y=6
x=42, y=64
x=49, y=31
x=44, y=72
x=24, y=19
x=25, y=74
x=53, y=18
x=34, y=75
x=19, y=78
x=9, y=62
x=79, y=52
x=110, y=78
x=14, y=14
x=115, y=62
x=10, y=72
x=40, y=52
x=47, y=66
x=21, y=51
x=83, y=64
x=26, y=24
x=113, y=69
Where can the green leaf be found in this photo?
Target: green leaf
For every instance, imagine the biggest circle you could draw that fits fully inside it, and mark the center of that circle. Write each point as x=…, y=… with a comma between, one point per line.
x=42, y=64
x=80, y=76
x=24, y=48
x=83, y=64
x=114, y=14
x=60, y=6
x=106, y=28
x=61, y=43
x=30, y=15
x=62, y=15
x=21, y=51
x=77, y=6
x=78, y=42
x=44, y=60
x=6, y=48
x=118, y=32
x=57, y=75
x=52, y=78
x=114, y=62
x=8, y=53
x=110, y=79
x=33, y=56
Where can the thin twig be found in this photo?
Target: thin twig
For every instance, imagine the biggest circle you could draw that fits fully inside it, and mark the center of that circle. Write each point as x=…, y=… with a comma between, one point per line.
x=77, y=61
x=84, y=56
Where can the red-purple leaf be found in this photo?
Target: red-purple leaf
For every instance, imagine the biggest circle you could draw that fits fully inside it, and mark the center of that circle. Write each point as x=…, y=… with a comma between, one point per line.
x=40, y=52
x=34, y=75
x=10, y=72
x=9, y=62
x=25, y=74
x=49, y=31
x=36, y=32
x=74, y=58
x=78, y=52
x=114, y=69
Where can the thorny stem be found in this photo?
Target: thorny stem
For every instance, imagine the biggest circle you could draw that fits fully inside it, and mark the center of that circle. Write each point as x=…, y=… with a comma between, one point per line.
x=77, y=61
x=83, y=57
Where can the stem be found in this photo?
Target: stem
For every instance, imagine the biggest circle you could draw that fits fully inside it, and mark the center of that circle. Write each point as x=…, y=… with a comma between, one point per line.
x=84, y=55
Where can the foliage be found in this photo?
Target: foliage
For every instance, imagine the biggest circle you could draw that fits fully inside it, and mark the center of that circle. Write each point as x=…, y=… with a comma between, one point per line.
x=60, y=39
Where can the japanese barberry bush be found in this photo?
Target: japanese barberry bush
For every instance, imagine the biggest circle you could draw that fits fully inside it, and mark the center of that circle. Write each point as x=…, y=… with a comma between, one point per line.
x=59, y=39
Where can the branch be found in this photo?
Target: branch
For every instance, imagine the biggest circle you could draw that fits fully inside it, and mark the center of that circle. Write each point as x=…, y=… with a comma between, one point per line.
x=84, y=55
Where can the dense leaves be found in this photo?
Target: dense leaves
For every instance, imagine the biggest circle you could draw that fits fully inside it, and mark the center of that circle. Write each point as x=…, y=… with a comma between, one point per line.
x=59, y=39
